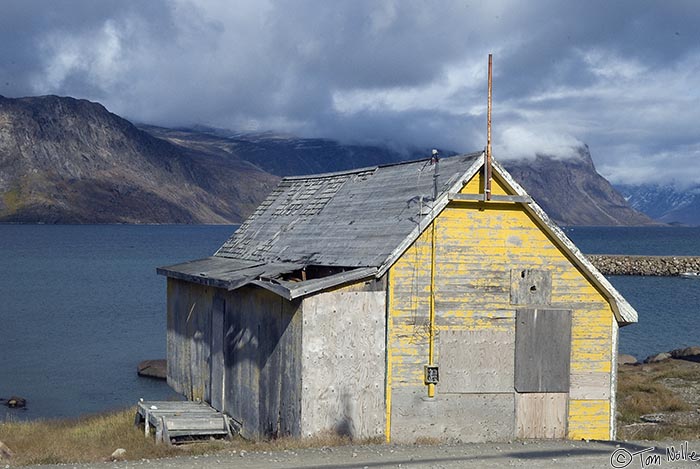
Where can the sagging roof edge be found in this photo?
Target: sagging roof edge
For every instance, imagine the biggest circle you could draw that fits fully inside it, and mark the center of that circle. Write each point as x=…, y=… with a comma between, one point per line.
x=287, y=290
x=292, y=290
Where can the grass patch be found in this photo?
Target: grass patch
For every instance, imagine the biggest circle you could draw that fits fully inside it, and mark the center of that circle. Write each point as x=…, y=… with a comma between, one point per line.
x=87, y=439
x=665, y=388
x=94, y=439
x=638, y=396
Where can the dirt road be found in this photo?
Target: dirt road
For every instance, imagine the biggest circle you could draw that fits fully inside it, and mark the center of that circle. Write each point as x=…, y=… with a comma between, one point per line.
x=544, y=454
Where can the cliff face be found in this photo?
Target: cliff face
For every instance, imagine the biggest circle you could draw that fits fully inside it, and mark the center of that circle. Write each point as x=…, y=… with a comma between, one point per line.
x=64, y=160
x=572, y=192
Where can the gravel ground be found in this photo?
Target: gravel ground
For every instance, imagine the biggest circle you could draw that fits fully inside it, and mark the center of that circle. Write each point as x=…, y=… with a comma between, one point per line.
x=540, y=454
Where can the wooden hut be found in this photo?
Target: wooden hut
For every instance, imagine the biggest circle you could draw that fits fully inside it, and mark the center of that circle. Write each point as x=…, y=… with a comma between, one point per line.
x=396, y=302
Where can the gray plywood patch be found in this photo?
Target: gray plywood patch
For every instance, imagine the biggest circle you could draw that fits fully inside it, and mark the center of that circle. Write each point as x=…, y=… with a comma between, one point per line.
x=588, y=385
x=530, y=287
x=454, y=417
x=542, y=350
x=541, y=415
x=343, y=364
x=476, y=361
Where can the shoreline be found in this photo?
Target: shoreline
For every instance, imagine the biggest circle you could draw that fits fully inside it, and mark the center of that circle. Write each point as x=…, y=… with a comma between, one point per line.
x=636, y=265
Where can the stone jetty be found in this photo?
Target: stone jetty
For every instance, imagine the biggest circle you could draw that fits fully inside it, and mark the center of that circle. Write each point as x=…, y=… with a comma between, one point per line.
x=666, y=266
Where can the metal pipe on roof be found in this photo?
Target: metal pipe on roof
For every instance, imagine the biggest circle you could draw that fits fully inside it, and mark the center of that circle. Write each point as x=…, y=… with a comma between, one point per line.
x=487, y=178
x=436, y=173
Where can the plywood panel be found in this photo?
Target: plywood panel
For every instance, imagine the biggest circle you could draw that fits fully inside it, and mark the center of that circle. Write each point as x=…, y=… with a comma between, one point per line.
x=474, y=361
x=541, y=415
x=343, y=364
x=590, y=385
x=542, y=350
x=455, y=417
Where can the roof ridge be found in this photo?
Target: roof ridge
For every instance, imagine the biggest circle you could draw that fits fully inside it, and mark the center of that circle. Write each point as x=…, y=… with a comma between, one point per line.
x=371, y=168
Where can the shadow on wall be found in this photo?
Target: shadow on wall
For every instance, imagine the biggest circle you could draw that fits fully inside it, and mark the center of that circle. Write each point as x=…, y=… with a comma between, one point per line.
x=345, y=425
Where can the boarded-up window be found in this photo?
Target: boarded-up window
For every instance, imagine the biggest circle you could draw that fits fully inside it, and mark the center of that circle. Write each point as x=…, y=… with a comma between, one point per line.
x=479, y=361
x=542, y=350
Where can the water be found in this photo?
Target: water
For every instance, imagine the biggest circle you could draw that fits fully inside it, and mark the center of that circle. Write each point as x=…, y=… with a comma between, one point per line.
x=668, y=307
x=80, y=306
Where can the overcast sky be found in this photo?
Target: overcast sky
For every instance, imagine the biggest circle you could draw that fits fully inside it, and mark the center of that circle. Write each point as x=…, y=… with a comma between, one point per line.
x=621, y=76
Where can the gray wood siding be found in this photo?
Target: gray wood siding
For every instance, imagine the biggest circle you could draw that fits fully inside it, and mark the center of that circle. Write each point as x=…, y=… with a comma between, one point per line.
x=188, y=338
x=217, y=353
x=343, y=364
x=263, y=363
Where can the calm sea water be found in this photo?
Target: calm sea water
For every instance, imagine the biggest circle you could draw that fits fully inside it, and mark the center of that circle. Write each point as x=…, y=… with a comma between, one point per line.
x=668, y=307
x=80, y=306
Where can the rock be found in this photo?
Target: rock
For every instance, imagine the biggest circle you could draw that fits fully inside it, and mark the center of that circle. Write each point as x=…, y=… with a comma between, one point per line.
x=659, y=357
x=653, y=418
x=153, y=369
x=16, y=402
x=624, y=359
x=688, y=353
x=5, y=452
x=118, y=454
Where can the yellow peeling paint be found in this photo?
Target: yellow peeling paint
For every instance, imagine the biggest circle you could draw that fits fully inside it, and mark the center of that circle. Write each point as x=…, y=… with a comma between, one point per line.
x=592, y=419
x=477, y=244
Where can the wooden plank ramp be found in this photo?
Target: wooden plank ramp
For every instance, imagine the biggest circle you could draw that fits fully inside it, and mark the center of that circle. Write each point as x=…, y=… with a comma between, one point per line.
x=180, y=421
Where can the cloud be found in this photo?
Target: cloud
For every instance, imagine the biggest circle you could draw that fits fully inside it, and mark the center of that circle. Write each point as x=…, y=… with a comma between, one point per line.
x=620, y=76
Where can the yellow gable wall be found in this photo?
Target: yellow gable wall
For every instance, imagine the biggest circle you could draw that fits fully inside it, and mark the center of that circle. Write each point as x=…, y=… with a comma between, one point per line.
x=477, y=246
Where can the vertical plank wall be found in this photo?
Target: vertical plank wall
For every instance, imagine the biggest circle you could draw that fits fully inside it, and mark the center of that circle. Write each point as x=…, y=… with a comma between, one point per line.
x=262, y=353
x=477, y=247
x=343, y=363
x=188, y=338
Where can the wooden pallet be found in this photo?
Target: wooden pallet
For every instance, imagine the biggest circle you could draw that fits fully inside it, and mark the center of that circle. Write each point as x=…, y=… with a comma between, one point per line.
x=174, y=421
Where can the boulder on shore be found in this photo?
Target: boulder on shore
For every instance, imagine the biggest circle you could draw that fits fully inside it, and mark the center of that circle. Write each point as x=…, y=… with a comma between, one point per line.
x=153, y=369
x=659, y=357
x=688, y=353
x=624, y=359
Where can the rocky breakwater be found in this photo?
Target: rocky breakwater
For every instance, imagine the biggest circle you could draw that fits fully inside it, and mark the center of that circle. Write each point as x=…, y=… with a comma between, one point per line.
x=668, y=266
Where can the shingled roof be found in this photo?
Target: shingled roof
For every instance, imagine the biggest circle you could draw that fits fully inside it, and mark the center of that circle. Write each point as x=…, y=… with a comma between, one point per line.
x=353, y=225
x=348, y=219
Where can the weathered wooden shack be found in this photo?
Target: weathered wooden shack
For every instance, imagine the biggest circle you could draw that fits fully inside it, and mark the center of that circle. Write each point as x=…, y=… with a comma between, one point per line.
x=396, y=302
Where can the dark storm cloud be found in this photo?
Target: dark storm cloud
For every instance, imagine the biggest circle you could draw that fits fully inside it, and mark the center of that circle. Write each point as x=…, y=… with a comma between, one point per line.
x=620, y=76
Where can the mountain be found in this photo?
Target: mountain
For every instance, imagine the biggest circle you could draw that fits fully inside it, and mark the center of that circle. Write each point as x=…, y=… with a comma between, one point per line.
x=665, y=203
x=284, y=155
x=64, y=160
x=572, y=192
x=569, y=189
